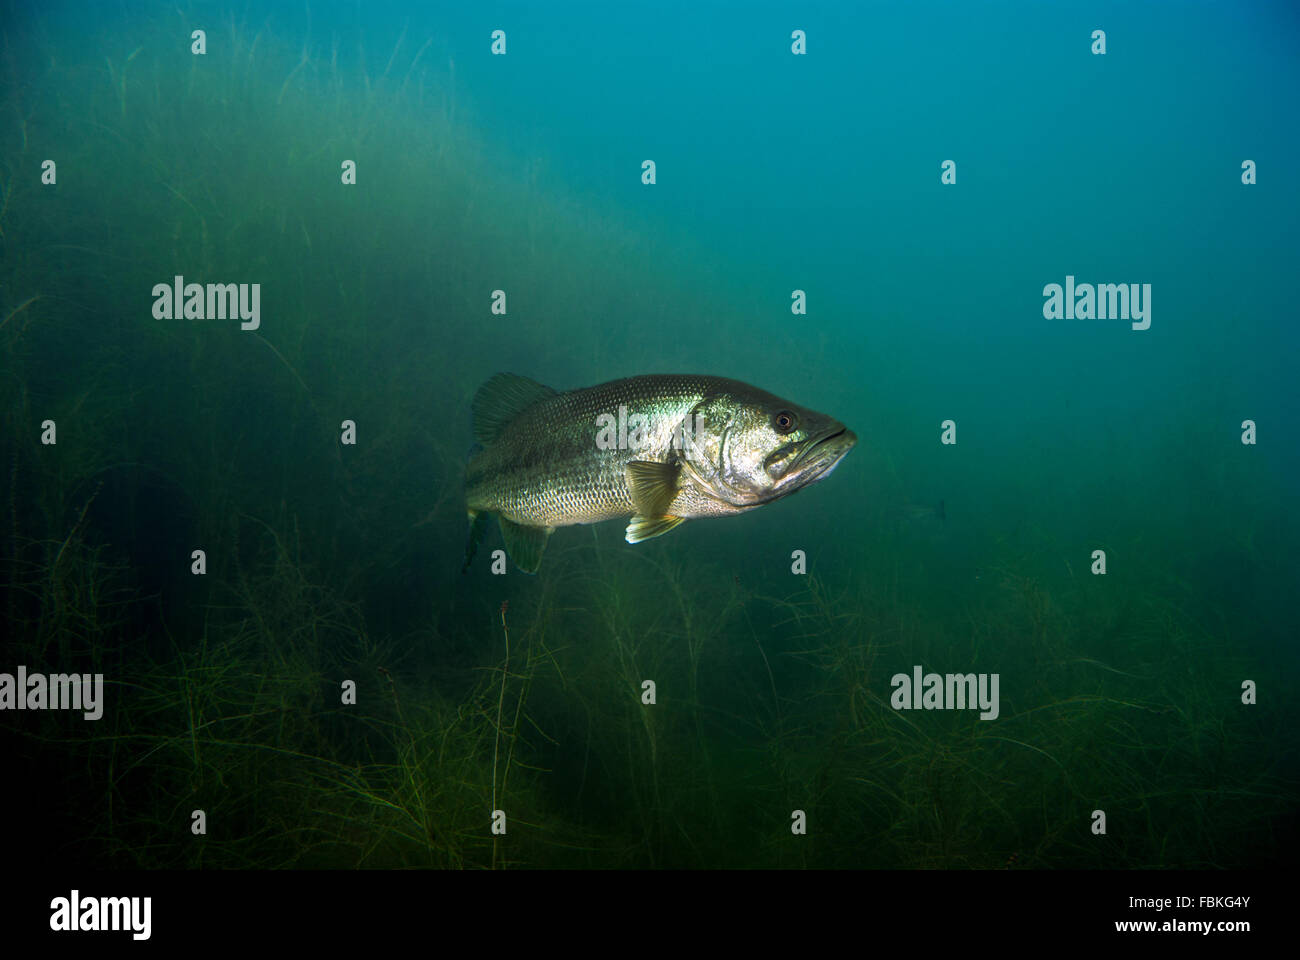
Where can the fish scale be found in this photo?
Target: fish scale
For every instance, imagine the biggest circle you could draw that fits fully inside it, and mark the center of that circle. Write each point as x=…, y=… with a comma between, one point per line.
x=545, y=469
x=541, y=465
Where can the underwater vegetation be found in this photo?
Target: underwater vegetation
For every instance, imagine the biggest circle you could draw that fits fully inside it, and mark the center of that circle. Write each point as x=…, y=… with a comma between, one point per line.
x=328, y=564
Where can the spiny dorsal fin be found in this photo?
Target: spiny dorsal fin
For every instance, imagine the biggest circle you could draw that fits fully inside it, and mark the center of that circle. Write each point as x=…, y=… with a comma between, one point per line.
x=501, y=399
x=652, y=486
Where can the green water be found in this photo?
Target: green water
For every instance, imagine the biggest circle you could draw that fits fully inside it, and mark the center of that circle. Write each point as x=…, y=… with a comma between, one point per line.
x=331, y=566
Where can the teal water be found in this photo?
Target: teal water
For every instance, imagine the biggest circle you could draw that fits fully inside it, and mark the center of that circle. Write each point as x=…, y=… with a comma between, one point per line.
x=332, y=690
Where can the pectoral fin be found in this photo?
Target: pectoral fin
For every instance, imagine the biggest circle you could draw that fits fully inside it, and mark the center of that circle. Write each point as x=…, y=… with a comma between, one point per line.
x=653, y=487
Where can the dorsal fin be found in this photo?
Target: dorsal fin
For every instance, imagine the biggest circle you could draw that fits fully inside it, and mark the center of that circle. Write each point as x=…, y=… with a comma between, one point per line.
x=500, y=400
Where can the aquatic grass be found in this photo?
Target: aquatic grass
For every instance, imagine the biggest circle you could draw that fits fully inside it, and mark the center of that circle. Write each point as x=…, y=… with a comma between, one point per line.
x=950, y=790
x=247, y=729
x=328, y=563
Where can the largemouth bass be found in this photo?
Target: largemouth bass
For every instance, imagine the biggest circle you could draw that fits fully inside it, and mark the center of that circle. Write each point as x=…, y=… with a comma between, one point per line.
x=660, y=449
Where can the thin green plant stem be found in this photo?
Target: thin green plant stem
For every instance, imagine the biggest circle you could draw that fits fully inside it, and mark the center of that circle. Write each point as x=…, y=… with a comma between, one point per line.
x=496, y=742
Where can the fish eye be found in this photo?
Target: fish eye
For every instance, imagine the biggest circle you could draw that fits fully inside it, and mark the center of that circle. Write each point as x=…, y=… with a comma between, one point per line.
x=783, y=421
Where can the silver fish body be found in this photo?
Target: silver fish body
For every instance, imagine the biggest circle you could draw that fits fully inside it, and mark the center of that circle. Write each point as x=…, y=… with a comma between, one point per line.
x=660, y=449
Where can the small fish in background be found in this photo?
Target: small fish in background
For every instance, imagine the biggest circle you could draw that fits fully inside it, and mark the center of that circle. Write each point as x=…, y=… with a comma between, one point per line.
x=704, y=447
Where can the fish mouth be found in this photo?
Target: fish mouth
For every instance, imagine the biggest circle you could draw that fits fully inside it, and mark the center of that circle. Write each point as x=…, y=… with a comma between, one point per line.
x=826, y=449
x=817, y=459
